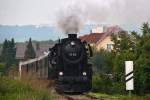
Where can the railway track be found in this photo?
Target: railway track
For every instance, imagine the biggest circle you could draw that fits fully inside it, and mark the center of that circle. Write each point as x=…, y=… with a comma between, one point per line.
x=77, y=97
x=59, y=95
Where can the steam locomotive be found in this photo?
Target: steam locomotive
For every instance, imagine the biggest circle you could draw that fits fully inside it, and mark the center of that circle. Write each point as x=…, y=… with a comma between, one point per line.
x=68, y=65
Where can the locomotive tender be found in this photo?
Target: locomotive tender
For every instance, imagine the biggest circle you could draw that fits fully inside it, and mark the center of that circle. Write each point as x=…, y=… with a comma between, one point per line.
x=68, y=65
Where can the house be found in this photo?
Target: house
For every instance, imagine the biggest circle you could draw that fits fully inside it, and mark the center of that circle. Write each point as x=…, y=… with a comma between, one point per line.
x=39, y=48
x=100, y=38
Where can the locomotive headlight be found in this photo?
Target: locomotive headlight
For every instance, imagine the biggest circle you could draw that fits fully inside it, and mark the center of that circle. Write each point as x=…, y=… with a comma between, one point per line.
x=60, y=73
x=84, y=73
x=72, y=43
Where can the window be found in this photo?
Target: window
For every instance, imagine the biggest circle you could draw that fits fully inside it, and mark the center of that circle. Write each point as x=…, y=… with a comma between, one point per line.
x=109, y=47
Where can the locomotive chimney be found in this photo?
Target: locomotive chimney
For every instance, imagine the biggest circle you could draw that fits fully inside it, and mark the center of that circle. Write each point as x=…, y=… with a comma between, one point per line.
x=73, y=36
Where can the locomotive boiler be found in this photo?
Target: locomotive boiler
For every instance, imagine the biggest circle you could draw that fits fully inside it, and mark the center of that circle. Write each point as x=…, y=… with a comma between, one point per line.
x=69, y=66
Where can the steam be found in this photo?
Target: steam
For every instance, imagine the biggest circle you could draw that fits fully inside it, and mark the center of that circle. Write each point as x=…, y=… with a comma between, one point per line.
x=118, y=11
x=71, y=19
x=113, y=12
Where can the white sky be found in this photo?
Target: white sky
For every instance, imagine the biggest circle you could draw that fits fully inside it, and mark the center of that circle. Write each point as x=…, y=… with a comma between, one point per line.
x=36, y=12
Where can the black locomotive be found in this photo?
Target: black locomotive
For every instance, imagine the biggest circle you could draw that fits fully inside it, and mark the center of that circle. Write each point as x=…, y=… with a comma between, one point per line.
x=68, y=65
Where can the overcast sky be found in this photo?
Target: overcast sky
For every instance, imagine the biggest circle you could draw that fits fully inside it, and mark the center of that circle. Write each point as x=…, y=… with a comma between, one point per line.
x=37, y=12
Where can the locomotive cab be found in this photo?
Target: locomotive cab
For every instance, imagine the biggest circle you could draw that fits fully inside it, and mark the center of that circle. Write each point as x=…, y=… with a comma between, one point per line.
x=69, y=65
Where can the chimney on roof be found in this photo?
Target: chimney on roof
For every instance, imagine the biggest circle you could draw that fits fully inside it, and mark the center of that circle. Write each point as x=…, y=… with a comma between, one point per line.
x=99, y=29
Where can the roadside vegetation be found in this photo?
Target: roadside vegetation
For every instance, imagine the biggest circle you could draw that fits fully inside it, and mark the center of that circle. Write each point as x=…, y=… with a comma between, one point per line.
x=18, y=90
x=109, y=67
x=103, y=96
x=13, y=88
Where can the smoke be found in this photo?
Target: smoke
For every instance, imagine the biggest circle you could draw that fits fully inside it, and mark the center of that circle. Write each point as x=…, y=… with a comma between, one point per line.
x=71, y=19
x=114, y=12
x=129, y=12
x=118, y=11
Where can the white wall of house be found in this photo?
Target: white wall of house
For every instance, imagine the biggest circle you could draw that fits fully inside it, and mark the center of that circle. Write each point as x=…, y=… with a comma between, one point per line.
x=105, y=44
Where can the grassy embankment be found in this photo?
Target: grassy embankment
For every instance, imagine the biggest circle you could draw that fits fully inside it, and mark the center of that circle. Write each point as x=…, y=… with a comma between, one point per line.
x=102, y=96
x=20, y=90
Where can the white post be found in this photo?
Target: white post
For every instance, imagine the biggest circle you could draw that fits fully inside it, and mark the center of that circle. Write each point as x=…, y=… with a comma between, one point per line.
x=129, y=76
x=20, y=69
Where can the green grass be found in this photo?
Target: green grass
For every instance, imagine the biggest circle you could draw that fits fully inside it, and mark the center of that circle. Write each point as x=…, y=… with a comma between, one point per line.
x=119, y=97
x=17, y=90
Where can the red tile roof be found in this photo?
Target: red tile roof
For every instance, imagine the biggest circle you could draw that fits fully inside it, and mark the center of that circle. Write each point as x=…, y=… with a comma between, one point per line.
x=93, y=37
x=114, y=29
x=97, y=37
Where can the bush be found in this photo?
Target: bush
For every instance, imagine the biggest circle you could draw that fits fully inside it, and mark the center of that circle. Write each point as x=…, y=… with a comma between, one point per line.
x=96, y=83
x=2, y=68
x=105, y=84
x=102, y=83
x=118, y=88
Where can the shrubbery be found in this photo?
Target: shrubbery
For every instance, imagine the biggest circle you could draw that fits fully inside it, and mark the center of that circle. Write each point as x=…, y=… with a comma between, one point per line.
x=104, y=84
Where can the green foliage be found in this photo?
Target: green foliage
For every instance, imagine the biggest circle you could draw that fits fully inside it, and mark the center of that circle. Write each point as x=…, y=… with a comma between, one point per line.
x=124, y=50
x=2, y=67
x=145, y=29
x=142, y=79
x=101, y=83
x=102, y=61
x=30, y=52
x=97, y=83
x=8, y=53
x=127, y=47
x=16, y=90
x=103, y=96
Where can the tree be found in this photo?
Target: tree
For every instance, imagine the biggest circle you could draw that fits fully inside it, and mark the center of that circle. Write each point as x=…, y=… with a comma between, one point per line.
x=145, y=29
x=12, y=51
x=123, y=51
x=142, y=78
x=4, y=51
x=8, y=54
x=102, y=62
x=13, y=47
x=30, y=52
